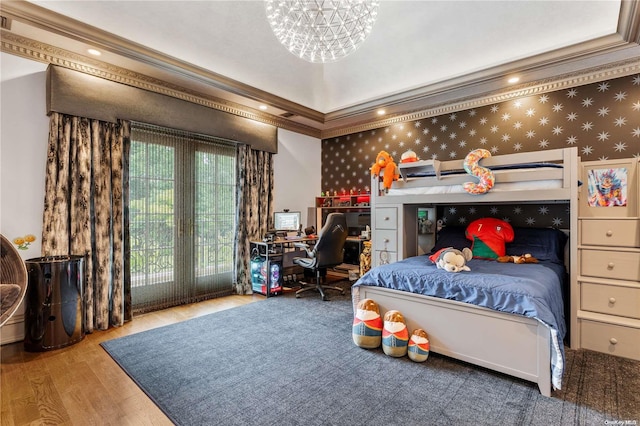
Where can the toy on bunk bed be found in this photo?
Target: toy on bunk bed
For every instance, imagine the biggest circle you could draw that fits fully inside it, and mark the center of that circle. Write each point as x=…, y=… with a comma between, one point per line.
x=485, y=176
x=384, y=162
x=489, y=236
x=409, y=156
x=525, y=258
x=451, y=259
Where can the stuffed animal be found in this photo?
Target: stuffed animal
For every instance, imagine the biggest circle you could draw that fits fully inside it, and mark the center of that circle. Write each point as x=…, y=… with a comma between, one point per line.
x=395, y=335
x=384, y=162
x=418, y=350
x=471, y=165
x=489, y=236
x=525, y=258
x=451, y=259
x=367, y=325
x=365, y=258
x=409, y=157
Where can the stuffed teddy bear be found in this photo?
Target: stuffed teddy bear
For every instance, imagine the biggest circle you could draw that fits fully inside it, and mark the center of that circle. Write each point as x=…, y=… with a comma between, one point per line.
x=395, y=335
x=525, y=258
x=367, y=325
x=384, y=162
x=409, y=157
x=451, y=259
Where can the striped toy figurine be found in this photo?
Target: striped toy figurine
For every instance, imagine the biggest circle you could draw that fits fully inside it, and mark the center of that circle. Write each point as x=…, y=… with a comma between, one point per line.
x=418, y=350
x=367, y=325
x=395, y=335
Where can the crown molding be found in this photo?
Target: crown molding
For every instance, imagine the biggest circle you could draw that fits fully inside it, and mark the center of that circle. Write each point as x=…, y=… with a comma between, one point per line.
x=45, y=53
x=53, y=22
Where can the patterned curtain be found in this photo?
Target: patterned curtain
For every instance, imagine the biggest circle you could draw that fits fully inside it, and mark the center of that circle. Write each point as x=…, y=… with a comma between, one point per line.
x=255, y=208
x=85, y=211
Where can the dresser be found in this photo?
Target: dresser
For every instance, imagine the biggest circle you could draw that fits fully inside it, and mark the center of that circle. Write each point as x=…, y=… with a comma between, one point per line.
x=401, y=231
x=609, y=258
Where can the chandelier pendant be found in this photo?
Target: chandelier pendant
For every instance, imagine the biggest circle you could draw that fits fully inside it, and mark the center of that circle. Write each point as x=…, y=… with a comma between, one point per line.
x=321, y=31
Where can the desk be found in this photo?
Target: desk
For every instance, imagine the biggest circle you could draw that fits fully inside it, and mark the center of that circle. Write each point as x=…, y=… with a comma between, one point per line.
x=268, y=260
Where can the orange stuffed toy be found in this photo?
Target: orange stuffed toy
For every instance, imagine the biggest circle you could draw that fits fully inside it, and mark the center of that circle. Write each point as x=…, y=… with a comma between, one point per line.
x=525, y=258
x=385, y=163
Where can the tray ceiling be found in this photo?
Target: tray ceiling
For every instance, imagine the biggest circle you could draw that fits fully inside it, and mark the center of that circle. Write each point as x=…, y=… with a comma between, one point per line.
x=420, y=54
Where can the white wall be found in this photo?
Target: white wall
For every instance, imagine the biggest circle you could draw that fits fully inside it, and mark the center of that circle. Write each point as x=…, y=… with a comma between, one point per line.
x=297, y=173
x=23, y=149
x=24, y=129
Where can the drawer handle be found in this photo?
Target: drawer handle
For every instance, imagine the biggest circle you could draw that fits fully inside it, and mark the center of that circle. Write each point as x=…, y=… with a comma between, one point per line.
x=613, y=341
x=609, y=233
x=387, y=218
x=386, y=240
x=612, y=300
x=610, y=265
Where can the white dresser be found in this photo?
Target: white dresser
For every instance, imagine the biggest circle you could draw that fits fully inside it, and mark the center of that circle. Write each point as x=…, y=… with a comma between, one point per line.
x=397, y=231
x=385, y=234
x=609, y=258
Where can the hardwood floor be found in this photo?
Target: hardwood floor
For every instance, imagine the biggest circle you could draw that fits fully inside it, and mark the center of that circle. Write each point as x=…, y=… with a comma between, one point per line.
x=81, y=384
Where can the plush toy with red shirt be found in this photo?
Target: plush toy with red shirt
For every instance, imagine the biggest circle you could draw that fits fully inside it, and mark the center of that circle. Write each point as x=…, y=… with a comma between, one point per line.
x=489, y=236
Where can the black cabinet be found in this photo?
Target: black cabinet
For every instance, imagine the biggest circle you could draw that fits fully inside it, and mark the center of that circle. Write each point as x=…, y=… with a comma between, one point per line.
x=54, y=302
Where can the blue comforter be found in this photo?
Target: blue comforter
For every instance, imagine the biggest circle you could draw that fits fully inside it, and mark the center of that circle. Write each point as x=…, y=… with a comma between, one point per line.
x=532, y=290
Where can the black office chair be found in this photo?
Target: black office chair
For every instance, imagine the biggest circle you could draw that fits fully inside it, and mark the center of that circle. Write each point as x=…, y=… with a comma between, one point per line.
x=327, y=252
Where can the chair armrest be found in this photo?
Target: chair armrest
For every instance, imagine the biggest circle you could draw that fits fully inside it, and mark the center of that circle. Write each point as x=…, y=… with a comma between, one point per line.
x=305, y=247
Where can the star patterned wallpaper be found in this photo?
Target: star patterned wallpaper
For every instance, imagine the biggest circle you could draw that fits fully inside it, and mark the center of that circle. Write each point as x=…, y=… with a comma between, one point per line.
x=601, y=119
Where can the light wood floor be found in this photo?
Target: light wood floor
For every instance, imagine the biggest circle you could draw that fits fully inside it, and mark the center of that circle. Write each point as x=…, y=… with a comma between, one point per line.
x=81, y=384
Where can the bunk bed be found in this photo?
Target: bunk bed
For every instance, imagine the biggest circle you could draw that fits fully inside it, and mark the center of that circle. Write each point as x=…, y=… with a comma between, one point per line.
x=527, y=344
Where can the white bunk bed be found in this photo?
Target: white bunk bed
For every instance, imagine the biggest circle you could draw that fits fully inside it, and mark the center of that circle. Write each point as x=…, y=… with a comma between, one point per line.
x=508, y=343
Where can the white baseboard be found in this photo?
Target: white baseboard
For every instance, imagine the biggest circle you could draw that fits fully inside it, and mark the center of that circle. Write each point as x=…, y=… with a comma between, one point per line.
x=13, y=330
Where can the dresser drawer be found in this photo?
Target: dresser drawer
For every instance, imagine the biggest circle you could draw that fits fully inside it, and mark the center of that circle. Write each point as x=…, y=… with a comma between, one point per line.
x=382, y=257
x=386, y=218
x=610, y=233
x=612, y=339
x=610, y=299
x=385, y=240
x=623, y=265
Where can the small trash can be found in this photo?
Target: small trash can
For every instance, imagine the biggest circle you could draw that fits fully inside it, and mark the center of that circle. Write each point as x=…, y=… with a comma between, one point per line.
x=54, y=308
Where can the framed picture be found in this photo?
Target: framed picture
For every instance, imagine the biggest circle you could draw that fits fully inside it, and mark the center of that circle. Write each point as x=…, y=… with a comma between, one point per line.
x=609, y=188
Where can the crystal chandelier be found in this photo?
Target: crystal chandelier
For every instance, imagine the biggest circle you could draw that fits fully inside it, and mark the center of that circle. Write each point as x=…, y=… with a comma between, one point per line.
x=322, y=30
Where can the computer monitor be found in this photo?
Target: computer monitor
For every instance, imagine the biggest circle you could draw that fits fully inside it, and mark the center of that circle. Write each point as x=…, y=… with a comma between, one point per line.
x=287, y=221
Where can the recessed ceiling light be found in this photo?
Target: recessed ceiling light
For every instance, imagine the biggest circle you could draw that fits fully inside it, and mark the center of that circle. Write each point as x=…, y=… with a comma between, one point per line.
x=263, y=107
x=94, y=52
x=513, y=80
x=381, y=112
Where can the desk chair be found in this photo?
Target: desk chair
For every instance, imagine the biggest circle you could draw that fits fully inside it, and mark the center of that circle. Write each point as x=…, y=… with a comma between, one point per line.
x=327, y=252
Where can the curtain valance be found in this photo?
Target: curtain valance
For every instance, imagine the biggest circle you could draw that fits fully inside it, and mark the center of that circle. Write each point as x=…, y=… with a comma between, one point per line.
x=83, y=95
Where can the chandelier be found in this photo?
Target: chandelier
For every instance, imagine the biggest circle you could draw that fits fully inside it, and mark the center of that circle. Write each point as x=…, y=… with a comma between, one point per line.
x=322, y=30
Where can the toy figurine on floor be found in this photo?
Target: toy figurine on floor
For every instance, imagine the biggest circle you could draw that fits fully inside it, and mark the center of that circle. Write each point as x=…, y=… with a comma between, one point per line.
x=395, y=335
x=418, y=350
x=367, y=325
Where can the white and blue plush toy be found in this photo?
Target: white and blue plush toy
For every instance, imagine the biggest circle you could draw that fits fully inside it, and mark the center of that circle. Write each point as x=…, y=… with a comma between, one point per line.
x=451, y=259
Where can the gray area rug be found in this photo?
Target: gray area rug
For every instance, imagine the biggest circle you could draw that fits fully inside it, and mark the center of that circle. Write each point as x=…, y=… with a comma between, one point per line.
x=287, y=361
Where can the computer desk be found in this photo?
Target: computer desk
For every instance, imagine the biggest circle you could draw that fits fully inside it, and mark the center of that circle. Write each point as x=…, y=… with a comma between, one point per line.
x=281, y=251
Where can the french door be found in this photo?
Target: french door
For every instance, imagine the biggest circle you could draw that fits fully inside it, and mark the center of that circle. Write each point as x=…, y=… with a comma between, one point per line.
x=181, y=217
